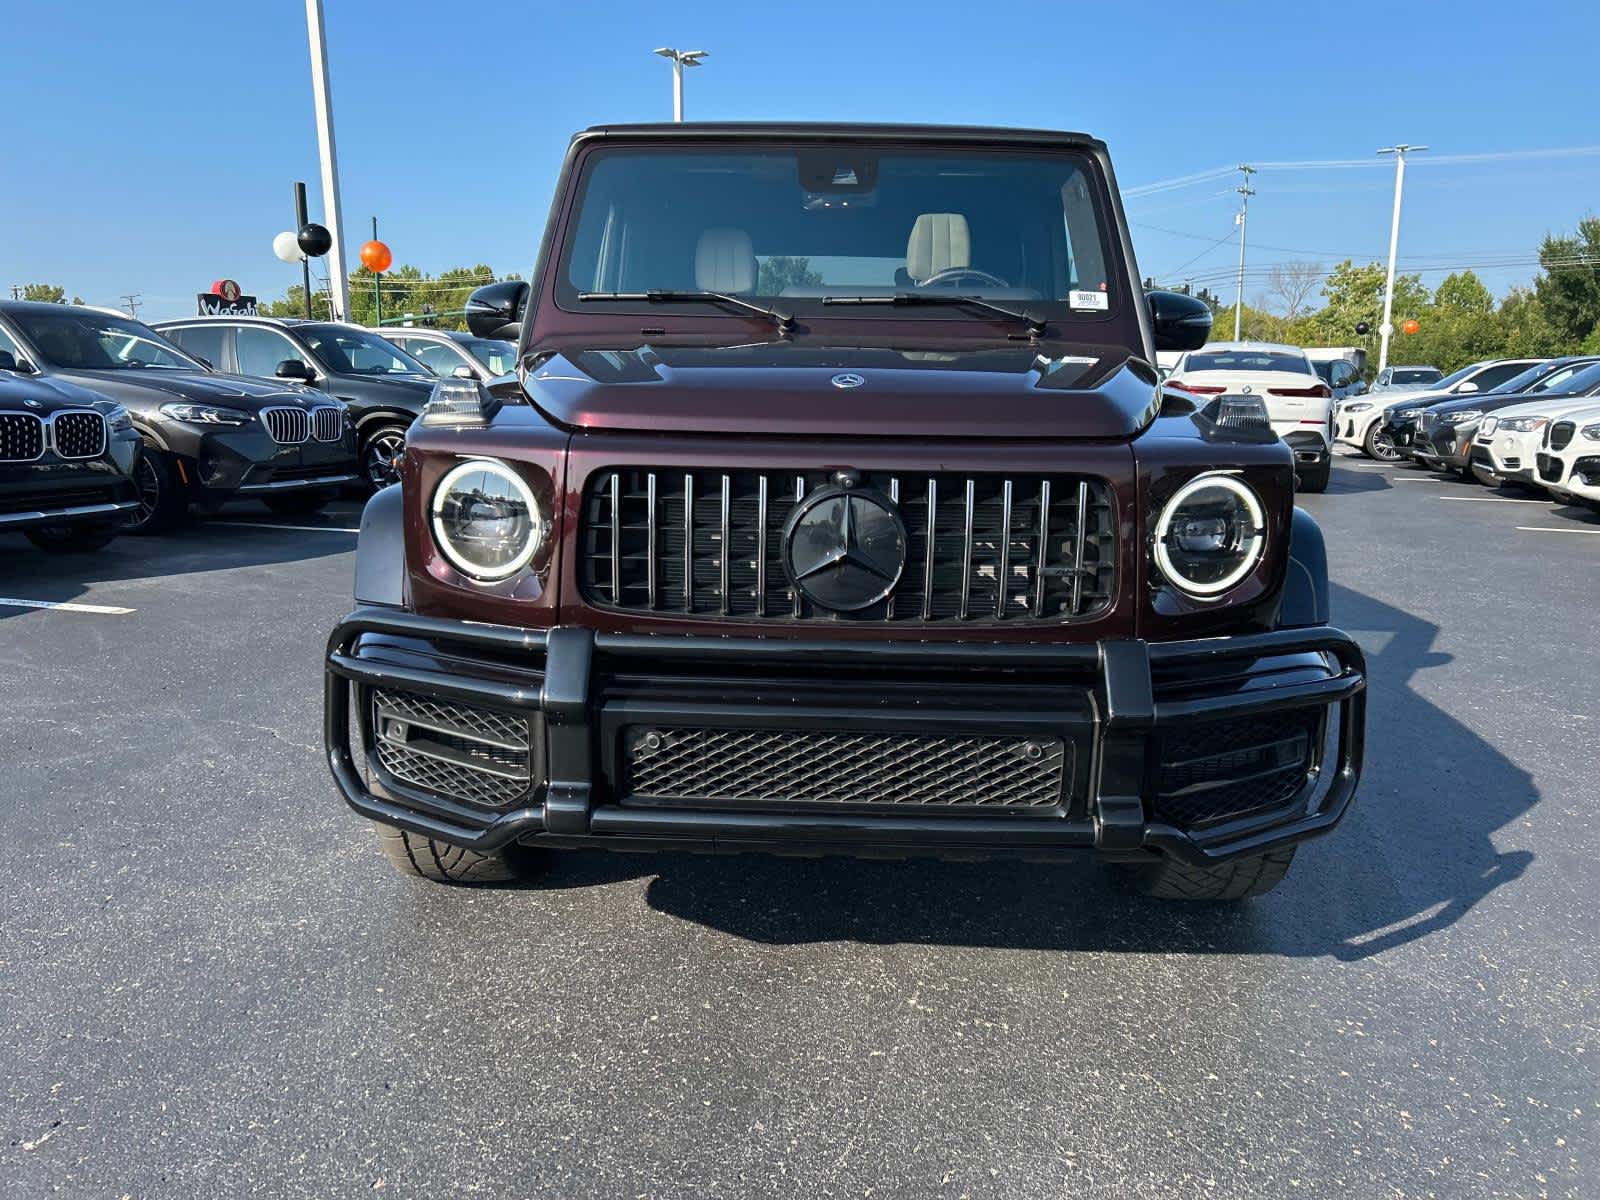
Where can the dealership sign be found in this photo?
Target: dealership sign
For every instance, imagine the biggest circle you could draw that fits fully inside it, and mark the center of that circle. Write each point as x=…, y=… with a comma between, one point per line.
x=225, y=300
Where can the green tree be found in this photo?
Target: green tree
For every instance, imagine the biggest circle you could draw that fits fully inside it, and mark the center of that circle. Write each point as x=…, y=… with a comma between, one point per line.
x=781, y=271
x=1569, y=288
x=50, y=293
x=1355, y=293
x=405, y=290
x=1465, y=292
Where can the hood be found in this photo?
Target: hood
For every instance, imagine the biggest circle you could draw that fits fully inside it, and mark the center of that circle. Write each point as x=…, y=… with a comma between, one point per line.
x=43, y=395
x=781, y=388
x=1487, y=402
x=1424, y=399
x=145, y=390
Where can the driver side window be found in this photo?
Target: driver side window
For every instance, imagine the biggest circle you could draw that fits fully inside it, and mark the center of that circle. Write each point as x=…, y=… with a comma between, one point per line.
x=436, y=356
x=259, y=351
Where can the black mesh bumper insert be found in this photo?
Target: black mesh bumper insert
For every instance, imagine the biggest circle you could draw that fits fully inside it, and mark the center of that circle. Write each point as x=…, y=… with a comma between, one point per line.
x=726, y=767
x=1215, y=770
x=472, y=754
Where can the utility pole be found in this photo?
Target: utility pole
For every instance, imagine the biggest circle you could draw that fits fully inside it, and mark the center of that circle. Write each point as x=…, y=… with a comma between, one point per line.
x=1399, y=151
x=680, y=60
x=1245, y=191
x=300, y=219
x=338, y=288
x=132, y=299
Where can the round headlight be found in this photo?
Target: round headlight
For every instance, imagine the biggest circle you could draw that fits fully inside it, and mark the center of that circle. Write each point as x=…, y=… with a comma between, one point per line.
x=1210, y=535
x=486, y=520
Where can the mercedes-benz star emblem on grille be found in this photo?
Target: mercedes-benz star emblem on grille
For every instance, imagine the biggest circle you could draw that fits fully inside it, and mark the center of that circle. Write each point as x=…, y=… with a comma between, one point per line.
x=844, y=548
x=848, y=379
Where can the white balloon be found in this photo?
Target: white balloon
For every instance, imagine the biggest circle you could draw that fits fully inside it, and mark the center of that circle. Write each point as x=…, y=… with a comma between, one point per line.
x=287, y=248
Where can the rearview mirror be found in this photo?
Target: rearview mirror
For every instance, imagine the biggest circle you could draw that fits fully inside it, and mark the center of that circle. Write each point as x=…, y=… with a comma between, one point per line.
x=495, y=310
x=1181, y=322
x=293, y=368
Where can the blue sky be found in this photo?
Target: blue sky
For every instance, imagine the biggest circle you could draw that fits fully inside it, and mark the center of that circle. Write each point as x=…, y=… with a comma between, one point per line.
x=152, y=148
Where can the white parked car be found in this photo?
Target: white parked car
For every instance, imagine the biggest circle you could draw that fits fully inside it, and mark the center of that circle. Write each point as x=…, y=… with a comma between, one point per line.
x=1299, y=404
x=1360, y=422
x=1568, y=459
x=1505, y=446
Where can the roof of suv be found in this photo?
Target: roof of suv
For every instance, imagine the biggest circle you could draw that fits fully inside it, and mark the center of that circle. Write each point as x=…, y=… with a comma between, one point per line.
x=981, y=134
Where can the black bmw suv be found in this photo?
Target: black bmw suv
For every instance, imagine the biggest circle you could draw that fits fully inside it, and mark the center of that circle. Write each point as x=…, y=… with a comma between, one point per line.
x=67, y=458
x=208, y=437
x=383, y=385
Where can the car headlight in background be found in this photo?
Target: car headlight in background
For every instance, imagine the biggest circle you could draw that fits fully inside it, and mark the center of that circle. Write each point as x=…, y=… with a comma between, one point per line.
x=1358, y=406
x=1592, y=432
x=1518, y=424
x=1461, y=418
x=1408, y=414
x=486, y=520
x=118, y=420
x=1211, y=534
x=205, y=414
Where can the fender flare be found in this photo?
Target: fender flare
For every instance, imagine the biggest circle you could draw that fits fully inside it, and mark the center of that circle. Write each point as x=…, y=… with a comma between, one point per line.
x=1305, y=586
x=385, y=416
x=381, y=550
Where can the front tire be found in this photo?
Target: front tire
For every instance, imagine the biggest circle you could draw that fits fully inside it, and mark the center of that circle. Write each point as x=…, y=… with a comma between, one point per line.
x=72, y=539
x=1380, y=445
x=381, y=450
x=439, y=862
x=162, y=504
x=1240, y=879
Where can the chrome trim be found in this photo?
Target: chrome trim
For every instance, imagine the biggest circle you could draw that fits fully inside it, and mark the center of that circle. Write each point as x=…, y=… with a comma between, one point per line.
x=894, y=494
x=316, y=414
x=51, y=442
x=928, y=549
x=1078, y=545
x=283, y=484
x=650, y=527
x=616, y=538
x=799, y=495
x=1044, y=543
x=966, y=552
x=293, y=413
x=727, y=525
x=761, y=551
x=1002, y=568
x=44, y=441
x=56, y=514
x=688, y=542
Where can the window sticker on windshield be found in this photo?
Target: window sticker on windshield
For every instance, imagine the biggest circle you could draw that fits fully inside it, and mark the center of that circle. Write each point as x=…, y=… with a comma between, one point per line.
x=1098, y=301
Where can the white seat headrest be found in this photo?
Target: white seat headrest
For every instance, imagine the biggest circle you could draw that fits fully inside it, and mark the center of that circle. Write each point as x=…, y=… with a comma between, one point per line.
x=938, y=242
x=724, y=261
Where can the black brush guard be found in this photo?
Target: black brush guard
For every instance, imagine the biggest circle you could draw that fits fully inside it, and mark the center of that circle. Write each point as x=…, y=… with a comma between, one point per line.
x=1129, y=688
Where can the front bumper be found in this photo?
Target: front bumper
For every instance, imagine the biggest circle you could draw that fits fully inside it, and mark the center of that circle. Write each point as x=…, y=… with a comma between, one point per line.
x=1115, y=711
x=240, y=462
x=53, y=491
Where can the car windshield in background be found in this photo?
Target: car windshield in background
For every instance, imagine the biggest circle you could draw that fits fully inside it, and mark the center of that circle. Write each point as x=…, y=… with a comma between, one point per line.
x=1247, y=360
x=1460, y=376
x=1428, y=375
x=355, y=352
x=85, y=341
x=1581, y=382
x=499, y=357
x=798, y=225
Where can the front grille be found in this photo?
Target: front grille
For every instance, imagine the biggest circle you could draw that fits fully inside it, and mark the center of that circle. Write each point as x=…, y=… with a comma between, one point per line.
x=759, y=767
x=1561, y=434
x=1213, y=770
x=21, y=437
x=79, y=434
x=979, y=547
x=477, y=755
x=288, y=426
x=327, y=423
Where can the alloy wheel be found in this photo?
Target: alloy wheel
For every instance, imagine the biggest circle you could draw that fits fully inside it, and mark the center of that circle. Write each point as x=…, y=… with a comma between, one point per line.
x=384, y=452
x=148, y=480
x=1381, y=446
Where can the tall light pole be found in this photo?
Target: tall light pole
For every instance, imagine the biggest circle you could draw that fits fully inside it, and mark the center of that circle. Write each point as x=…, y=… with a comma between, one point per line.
x=1246, y=191
x=1399, y=151
x=338, y=290
x=680, y=60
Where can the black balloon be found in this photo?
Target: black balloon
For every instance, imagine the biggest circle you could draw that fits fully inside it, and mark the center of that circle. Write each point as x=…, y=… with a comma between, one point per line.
x=314, y=239
x=1362, y=327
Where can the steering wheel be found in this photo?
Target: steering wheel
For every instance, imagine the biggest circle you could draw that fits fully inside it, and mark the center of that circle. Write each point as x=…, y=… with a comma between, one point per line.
x=949, y=275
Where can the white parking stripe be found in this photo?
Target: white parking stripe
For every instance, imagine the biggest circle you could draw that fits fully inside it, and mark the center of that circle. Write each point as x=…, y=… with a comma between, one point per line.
x=275, y=525
x=1493, y=500
x=1555, y=529
x=1421, y=479
x=109, y=610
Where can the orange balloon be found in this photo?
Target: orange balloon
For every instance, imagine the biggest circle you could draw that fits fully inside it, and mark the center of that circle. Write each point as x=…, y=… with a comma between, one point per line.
x=1410, y=326
x=376, y=258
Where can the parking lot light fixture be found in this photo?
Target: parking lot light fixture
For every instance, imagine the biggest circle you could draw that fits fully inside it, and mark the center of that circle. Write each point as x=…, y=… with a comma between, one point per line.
x=1399, y=150
x=680, y=60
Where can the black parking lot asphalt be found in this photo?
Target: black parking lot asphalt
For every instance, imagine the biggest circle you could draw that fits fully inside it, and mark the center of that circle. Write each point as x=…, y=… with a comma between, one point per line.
x=211, y=984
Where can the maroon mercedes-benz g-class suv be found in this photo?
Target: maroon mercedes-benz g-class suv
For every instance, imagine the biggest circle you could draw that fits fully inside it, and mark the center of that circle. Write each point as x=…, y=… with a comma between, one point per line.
x=845, y=514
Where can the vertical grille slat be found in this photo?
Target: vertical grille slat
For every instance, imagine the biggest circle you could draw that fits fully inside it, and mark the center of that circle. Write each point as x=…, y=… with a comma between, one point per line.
x=21, y=437
x=287, y=426
x=712, y=546
x=78, y=434
x=327, y=423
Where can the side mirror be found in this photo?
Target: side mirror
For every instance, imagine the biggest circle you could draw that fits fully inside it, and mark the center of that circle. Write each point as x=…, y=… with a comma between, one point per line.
x=462, y=372
x=495, y=310
x=293, y=368
x=1466, y=387
x=1181, y=322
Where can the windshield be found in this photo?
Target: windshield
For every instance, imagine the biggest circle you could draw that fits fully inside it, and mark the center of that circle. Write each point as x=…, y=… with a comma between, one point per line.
x=1455, y=377
x=91, y=341
x=1247, y=360
x=1544, y=377
x=347, y=351
x=499, y=357
x=799, y=225
x=1584, y=381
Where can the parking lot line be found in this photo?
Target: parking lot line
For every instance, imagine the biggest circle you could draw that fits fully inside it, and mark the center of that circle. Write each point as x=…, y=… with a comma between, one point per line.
x=109, y=610
x=275, y=525
x=1493, y=500
x=1420, y=479
x=1555, y=529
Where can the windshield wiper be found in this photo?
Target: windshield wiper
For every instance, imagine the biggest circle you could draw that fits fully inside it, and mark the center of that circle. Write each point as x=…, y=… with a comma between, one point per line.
x=783, y=321
x=1035, y=324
